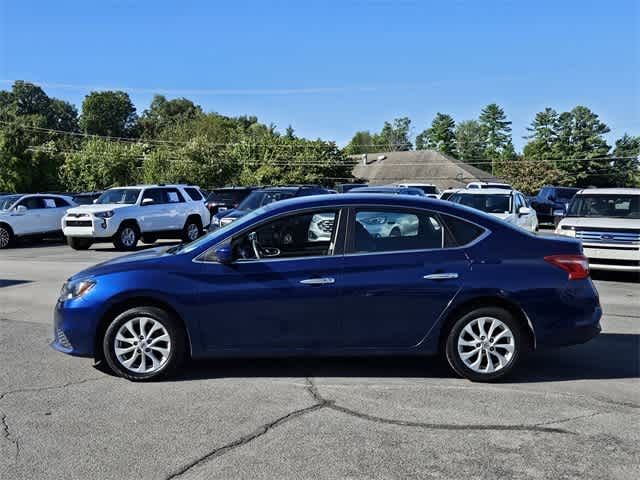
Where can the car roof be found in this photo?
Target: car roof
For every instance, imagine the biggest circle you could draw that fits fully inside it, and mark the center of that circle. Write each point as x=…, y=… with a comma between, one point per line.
x=609, y=191
x=383, y=189
x=487, y=191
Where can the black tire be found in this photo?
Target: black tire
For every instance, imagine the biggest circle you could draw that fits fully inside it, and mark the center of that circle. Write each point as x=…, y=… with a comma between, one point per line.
x=149, y=238
x=452, y=351
x=176, y=334
x=79, y=243
x=395, y=232
x=192, y=225
x=127, y=237
x=6, y=236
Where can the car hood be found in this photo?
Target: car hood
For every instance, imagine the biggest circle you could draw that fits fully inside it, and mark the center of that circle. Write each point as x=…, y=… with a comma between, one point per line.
x=233, y=213
x=125, y=263
x=599, y=222
x=502, y=216
x=93, y=208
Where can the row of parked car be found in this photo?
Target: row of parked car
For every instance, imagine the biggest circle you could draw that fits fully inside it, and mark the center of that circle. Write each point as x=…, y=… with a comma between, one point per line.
x=607, y=221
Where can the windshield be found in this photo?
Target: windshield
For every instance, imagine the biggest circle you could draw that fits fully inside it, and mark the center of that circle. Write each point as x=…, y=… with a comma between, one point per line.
x=228, y=197
x=7, y=201
x=261, y=198
x=611, y=206
x=486, y=203
x=216, y=234
x=565, y=194
x=126, y=196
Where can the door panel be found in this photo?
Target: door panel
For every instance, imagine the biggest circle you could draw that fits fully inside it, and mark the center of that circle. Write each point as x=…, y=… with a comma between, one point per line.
x=264, y=305
x=389, y=303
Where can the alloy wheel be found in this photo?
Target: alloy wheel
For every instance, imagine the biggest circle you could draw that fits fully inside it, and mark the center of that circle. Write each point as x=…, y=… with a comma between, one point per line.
x=193, y=231
x=142, y=345
x=486, y=345
x=128, y=237
x=4, y=238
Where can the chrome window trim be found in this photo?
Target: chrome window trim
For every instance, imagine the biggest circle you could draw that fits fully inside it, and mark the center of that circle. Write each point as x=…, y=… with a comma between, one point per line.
x=342, y=208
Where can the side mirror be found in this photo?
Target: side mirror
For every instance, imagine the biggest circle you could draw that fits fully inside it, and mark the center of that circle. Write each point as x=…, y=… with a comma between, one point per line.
x=20, y=210
x=524, y=211
x=224, y=254
x=147, y=201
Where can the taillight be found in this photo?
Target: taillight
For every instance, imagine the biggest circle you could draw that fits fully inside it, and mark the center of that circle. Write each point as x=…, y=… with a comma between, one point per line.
x=577, y=266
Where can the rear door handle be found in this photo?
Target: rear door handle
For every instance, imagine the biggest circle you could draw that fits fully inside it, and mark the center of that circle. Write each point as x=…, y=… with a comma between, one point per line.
x=440, y=276
x=318, y=281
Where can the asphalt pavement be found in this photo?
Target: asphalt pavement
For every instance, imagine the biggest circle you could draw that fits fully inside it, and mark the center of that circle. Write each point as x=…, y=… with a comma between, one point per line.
x=566, y=413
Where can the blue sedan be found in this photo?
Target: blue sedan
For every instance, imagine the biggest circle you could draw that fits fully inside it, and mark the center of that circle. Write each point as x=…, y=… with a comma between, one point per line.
x=461, y=283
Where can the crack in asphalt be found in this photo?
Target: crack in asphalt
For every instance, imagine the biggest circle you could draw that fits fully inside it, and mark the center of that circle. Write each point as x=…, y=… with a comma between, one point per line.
x=320, y=403
x=6, y=433
x=564, y=420
x=50, y=387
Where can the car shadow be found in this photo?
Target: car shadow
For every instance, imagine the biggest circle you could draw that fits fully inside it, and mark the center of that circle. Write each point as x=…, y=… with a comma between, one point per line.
x=107, y=247
x=608, y=356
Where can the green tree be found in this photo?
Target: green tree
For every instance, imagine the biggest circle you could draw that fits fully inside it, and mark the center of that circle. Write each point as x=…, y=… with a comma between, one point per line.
x=290, y=133
x=470, y=145
x=582, y=149
x=30, y=153
x=627, y=146
x=544, y=135
x=101, y=164
x=109, y=113
x=163, y=113
x=394, y=136
x=362, y=142
x=440, y=137
x=496, y=130
x=626, y=161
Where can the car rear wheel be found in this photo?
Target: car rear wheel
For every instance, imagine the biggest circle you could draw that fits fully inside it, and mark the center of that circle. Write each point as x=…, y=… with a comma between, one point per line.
x=485, y=344
x=6, y=237
x=127, y=237
x=144, y=343
x=79, y=243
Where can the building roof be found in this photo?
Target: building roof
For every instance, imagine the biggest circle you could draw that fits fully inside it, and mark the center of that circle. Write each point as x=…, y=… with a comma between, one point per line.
x=418, y=166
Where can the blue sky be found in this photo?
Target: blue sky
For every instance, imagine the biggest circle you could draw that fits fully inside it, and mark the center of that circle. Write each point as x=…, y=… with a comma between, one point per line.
x=334, y=67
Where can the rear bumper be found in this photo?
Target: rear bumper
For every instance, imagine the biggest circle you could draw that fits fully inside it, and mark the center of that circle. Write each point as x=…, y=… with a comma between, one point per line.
x=583, y=331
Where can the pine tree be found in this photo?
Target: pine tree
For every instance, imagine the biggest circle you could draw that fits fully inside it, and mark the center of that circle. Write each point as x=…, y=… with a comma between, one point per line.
x=440, y=137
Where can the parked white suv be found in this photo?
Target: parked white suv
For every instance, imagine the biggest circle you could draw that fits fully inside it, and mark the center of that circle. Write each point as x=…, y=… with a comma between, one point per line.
x=128, y=214
x=607, y=221
x=34, y=216
x=508, y=205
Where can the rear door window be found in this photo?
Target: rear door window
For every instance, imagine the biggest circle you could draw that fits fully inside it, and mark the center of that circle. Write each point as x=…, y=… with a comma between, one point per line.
x=382, y=230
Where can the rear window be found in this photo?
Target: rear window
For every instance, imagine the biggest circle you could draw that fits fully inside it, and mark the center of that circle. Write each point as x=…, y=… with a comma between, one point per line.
x=194, y=193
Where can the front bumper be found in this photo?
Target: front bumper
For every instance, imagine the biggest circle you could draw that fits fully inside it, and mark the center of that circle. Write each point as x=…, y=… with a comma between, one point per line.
x=608, y=257
x=74, y=328
x=89, y=227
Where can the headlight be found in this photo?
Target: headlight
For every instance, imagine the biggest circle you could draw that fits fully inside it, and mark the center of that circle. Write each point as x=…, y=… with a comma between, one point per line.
x=375, y=220
x=226, y=221
x=568, y=230
x=76, y=289
x=107, y=214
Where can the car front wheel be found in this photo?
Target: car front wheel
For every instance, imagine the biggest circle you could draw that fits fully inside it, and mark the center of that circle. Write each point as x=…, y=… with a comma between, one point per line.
x=485, y=344
x=127, y=237
x=144, y=343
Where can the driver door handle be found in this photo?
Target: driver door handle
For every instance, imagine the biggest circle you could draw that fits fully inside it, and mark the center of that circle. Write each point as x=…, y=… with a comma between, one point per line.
x=440, y=276
x=318, y=281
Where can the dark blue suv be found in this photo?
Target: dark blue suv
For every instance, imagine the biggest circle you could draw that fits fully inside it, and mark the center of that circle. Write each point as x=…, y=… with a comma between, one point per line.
x=327, y=275
x=261, y=197
x=552, y=203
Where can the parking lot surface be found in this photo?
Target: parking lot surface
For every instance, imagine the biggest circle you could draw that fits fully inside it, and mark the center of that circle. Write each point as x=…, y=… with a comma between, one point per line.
x=566, y=413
